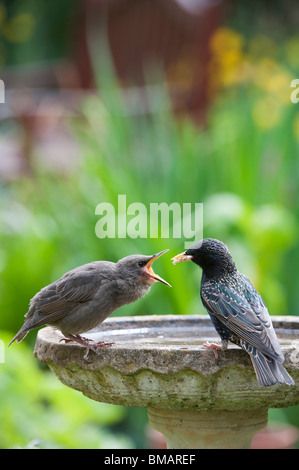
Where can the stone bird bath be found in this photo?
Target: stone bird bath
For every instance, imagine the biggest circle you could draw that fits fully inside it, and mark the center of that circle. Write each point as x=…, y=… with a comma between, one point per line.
x=158, y=362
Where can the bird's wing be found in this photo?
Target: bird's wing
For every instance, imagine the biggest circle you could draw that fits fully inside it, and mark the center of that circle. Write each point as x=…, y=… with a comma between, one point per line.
x=62, y=298
x=246, y=316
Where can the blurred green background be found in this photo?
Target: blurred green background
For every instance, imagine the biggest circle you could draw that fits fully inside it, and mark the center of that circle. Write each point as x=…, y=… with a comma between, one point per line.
x=213, y=123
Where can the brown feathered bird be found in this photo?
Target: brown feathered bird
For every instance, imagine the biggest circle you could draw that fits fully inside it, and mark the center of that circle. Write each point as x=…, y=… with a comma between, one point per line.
x=84, y=297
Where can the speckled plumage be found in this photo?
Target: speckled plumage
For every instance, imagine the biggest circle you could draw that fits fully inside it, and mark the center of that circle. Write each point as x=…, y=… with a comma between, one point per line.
x=238, y=312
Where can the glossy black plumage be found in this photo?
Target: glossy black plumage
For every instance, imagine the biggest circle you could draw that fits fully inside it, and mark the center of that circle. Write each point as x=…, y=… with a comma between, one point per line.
x=237, y=310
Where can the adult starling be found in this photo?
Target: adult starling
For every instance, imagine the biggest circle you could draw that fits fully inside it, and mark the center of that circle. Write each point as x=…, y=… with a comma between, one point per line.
x=84, y=297
x=237, y=310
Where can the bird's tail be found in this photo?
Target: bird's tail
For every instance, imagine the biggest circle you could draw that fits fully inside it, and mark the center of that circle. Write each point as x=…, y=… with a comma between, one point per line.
x=268, y=371
x=19, y=336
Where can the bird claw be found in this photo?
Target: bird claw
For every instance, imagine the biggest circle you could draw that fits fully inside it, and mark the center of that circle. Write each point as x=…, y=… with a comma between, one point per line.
x=75, y=339
x=95, y=348
x=214, y=347
x=66, y=340
x=88, y=349
x=102, y=344
x=87, y=343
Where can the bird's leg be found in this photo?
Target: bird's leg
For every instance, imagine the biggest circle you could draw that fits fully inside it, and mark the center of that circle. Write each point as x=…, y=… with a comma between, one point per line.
x=99, y=344
x=75, y=339
x=87, y=343
x=84, y=341
x=214, y=346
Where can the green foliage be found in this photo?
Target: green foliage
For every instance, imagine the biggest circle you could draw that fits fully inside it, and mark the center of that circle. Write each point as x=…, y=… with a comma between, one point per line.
x=48, y=222
x=37, y=410
x=243, y=166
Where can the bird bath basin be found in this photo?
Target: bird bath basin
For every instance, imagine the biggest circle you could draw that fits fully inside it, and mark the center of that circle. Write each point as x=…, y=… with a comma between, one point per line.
x=158, y=362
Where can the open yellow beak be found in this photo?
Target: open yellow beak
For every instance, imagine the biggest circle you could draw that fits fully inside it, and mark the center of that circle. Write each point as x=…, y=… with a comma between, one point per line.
x=181, y=257
x=149, y=269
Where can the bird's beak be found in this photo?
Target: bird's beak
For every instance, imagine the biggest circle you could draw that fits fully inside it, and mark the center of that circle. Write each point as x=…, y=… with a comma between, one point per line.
x=181, y=257
x=149, y=270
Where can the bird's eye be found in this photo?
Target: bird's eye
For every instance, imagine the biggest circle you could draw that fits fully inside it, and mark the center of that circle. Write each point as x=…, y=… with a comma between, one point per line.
x=141, y=264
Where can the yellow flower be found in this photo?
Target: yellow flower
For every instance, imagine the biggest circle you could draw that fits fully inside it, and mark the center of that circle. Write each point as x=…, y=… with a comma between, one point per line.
x=271, y=77
x=19, y=28
x=279, y=86
x=225, y=40
x=267, y=112
x=226, y=67
x=264, y=70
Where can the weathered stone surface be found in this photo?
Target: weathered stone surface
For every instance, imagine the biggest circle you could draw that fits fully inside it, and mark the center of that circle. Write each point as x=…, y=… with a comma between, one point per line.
x=173, y=371
x=208, y=429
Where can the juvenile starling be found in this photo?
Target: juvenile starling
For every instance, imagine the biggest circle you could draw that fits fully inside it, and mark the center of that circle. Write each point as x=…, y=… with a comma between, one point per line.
x=84, y=297
x=237, y=310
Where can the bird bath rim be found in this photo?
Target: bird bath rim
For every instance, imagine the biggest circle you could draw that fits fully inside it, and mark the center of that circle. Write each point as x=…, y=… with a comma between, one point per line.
x=186, y=390
x=167, y=334
x=165, y=359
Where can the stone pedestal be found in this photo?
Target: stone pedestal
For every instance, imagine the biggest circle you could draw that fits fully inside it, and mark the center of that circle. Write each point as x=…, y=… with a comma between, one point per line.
x=208, y=429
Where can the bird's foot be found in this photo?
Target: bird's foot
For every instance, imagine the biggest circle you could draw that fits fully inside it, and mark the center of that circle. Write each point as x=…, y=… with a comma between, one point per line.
x=75, y=339
x=214, y=346
x=88, y=343
x=66, y=340
x=95, y=347
x=102, y=344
